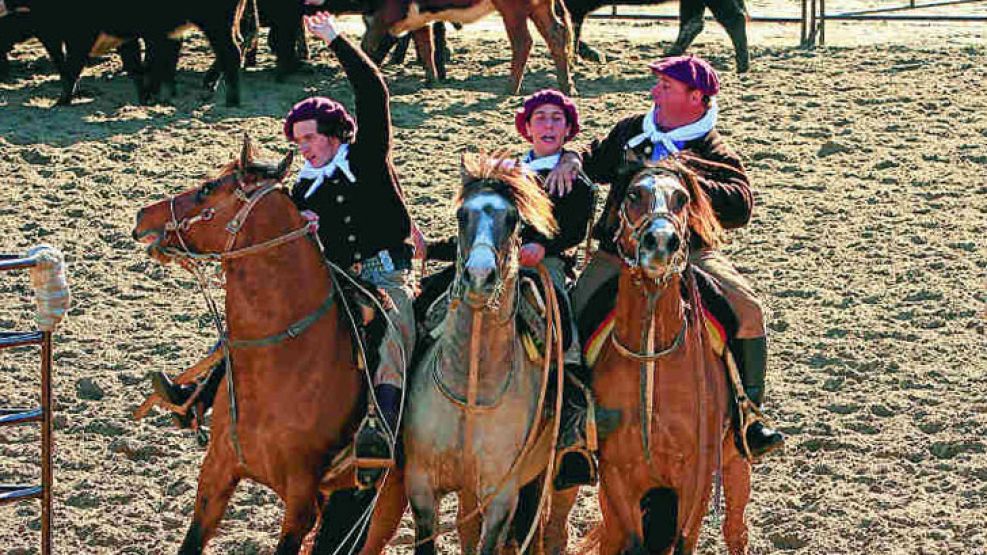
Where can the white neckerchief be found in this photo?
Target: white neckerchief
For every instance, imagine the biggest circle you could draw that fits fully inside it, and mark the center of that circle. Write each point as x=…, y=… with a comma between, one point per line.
x=541, y=164
x=340, y=161
x=694, y=130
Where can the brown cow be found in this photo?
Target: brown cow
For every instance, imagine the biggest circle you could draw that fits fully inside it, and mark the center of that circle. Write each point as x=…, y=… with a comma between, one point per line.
x=396, y=17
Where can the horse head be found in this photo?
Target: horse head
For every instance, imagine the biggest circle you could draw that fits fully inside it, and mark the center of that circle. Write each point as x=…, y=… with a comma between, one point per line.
x=496, y=197
x=205, y=220
x=663, y=204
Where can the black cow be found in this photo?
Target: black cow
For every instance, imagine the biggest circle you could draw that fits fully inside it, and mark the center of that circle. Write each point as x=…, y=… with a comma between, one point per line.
x=16, y=26
x=73, y=30
x=731, y=14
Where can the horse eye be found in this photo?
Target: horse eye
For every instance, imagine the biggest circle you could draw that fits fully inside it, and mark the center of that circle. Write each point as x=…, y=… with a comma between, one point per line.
x=204, y=191
x=679, y=200
x=633, y=195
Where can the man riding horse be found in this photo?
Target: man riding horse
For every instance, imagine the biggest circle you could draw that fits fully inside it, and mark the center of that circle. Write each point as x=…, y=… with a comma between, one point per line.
x=548, y=119
x=682, y=120
x=349, y=184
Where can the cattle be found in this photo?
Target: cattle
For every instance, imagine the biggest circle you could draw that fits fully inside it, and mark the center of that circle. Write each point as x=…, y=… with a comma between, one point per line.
x=72, y=31
x=731, y=14
x=395, y=17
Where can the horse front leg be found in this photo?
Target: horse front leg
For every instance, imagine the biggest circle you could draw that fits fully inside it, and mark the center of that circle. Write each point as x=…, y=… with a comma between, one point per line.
x=556, y=530
x=621, y=514
x=423, y=507
x=301, y=508
x=497, y=518
x=425, y=48
x=467, y=523
x=736, y=493
x=216, y=484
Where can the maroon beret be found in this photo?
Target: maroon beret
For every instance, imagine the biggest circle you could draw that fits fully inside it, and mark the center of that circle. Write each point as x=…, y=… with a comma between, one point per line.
x=691, y=70
x=540, y=98
x=328, y=113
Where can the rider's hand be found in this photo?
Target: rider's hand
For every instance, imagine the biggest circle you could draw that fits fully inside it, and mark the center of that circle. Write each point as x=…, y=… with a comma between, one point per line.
x=532, y=254
x=421, y=245
x=322, y=25
x=560, y=179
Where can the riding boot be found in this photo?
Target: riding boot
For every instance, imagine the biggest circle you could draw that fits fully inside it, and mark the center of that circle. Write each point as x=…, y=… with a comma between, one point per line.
x=375, y=440
x=178, y=394
x=574, y=457
x=752, y=363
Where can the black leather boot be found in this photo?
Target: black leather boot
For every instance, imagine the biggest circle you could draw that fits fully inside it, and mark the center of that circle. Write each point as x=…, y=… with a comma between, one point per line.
x=752, y=363
x=575, y=462
x=178, y=394
x=374, y=443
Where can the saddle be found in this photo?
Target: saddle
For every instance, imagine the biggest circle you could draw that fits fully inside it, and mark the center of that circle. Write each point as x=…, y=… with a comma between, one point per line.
x=362, y=304
x=432, y=306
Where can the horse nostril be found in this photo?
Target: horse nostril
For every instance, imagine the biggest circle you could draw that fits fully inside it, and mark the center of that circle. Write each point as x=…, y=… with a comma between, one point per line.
x=490, y=280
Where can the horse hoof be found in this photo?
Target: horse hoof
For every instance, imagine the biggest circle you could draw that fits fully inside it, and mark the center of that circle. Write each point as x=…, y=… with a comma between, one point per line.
x=743, y=67
x=587, y=52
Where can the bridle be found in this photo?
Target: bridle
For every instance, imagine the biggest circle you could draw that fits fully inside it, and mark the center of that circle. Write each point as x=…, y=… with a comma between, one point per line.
x=507, y=265
x=249, y=195
x=637, y=229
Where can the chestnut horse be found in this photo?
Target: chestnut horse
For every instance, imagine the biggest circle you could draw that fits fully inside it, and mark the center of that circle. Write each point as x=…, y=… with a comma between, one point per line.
x=294, y=395
x=475, y=423
x=660, y=371
x=551, y=18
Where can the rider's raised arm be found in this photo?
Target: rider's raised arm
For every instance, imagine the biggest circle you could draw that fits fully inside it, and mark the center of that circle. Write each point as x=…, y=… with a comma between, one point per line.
x=373, y=109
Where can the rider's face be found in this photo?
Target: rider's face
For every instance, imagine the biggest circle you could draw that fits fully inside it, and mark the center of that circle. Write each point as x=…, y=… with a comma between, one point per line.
x=677, y=103
x=548, y=128
x=317, y=148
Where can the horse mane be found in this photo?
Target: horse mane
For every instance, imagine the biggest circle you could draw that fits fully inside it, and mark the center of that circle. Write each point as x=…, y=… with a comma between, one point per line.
x=702, y=218
x=502, y=174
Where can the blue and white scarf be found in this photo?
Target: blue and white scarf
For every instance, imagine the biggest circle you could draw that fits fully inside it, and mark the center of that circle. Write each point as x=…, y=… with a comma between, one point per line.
x=340, y=161
x=671, y=142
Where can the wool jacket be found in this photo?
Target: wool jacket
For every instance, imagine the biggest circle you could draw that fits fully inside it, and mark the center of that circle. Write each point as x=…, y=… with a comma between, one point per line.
x=359, y=219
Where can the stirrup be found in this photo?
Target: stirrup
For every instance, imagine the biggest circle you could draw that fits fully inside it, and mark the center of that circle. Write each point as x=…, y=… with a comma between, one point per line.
x=373, y=451
x=575, y=466
x=749, y=414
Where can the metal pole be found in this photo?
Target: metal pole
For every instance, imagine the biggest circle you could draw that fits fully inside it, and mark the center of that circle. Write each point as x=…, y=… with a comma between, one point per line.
x=46, y=478
x=822, y=22
x=803, y=39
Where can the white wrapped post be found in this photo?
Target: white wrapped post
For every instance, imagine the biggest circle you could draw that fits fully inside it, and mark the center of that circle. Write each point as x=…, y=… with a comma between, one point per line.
x=51, y=288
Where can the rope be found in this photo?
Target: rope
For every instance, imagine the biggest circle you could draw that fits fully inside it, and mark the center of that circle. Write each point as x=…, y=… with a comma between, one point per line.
x=51, y=287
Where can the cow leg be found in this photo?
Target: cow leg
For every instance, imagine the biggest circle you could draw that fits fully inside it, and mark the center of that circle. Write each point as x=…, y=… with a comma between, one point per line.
x=130, y=56
x=558, y=35
x=517, y=31
x=400, y=50
x=441, y=49
x=250, y=31
x=228, y=58
x=216, y=484
x=731, y=15
x=578, y=9
x=76, y=51
x=426, y=54
x=285, y=39
x=690, y=24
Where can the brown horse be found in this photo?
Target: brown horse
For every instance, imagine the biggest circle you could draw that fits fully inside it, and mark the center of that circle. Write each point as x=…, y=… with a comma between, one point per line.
x=660, y=372
x=475, y=423
x=294, y=396
x=550, y=17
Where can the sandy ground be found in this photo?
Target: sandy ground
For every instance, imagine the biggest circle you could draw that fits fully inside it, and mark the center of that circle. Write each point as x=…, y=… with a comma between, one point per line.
x=867, y=247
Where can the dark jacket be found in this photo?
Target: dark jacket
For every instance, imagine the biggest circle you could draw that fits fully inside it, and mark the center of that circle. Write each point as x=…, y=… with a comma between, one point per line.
x=358, y=220
x=572, y=213
x=725, y=181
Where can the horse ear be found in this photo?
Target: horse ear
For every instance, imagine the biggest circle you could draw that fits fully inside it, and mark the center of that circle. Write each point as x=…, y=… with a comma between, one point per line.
x=285, y=165
x=632, y=163
x=246, y=155
x=463, y=174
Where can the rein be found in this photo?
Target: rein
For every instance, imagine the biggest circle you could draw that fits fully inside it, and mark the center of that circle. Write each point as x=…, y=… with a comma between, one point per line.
x=191, y=260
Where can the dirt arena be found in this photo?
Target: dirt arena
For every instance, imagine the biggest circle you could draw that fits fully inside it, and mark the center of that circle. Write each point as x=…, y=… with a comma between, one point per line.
x=869, y=157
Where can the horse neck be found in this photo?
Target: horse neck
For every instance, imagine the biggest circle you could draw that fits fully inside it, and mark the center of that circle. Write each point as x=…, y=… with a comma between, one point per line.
x=269, y=290
x=497, y=332
x=640, y=300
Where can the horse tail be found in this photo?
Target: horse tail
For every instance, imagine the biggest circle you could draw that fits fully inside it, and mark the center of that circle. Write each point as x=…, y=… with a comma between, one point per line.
x=591, y=541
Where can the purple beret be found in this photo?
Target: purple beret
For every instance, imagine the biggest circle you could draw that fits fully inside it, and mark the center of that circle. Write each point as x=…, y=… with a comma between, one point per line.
x=326, y=112
x=691, y=70
x=540, y=98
